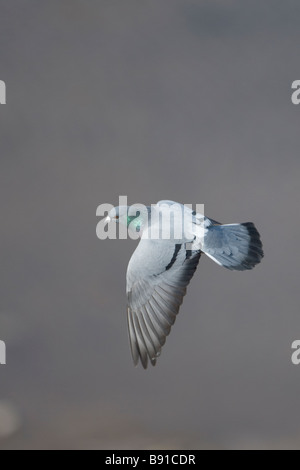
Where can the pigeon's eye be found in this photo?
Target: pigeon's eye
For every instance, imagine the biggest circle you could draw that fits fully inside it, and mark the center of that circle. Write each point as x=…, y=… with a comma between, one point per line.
x=117, y=217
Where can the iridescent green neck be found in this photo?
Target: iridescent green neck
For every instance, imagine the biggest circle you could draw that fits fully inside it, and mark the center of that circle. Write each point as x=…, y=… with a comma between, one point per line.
x=136, y=221
x=139, y=220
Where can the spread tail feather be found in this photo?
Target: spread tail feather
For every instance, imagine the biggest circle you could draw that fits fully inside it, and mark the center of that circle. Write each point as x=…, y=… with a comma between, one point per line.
x=236, y=246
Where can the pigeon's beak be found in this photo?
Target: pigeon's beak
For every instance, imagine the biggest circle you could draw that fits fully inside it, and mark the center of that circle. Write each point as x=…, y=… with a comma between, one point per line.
x=108, y=219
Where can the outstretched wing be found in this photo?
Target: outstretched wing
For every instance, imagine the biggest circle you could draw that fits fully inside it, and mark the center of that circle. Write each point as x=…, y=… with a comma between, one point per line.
x=157, y=278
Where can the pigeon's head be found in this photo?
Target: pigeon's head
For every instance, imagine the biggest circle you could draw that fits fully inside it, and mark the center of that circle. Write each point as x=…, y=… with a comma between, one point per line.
x=134, y=217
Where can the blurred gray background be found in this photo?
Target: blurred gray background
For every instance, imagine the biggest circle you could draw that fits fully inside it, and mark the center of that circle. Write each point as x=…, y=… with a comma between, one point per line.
x=187, y=100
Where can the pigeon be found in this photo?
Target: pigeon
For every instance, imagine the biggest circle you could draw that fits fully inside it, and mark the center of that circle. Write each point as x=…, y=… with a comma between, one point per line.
x=165, y=261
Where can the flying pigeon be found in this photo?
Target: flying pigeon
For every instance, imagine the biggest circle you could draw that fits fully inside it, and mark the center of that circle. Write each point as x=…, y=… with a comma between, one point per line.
x=165, y=261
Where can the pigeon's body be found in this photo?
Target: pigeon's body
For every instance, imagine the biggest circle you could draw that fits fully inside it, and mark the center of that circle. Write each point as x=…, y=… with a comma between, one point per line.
x=162, y=266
